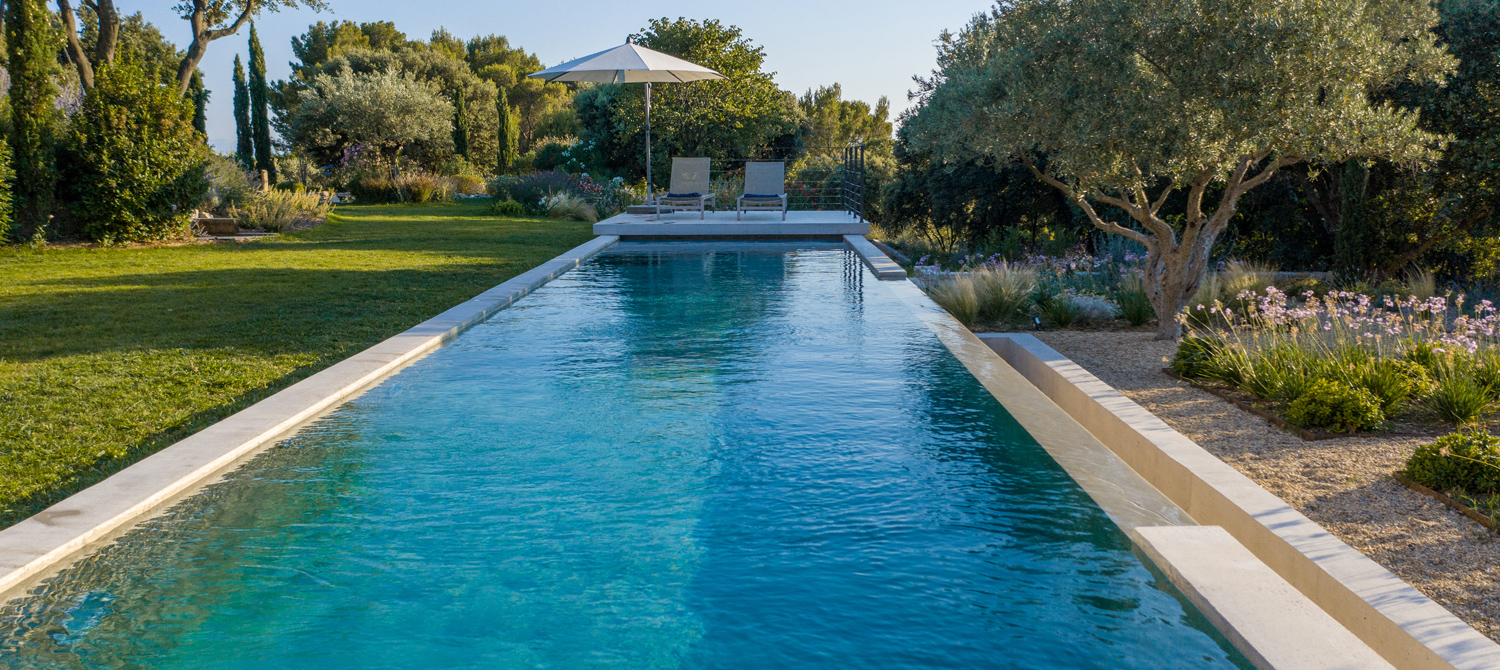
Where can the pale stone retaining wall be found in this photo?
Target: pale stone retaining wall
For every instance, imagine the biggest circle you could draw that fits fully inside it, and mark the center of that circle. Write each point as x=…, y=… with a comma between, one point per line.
x=1407, y=628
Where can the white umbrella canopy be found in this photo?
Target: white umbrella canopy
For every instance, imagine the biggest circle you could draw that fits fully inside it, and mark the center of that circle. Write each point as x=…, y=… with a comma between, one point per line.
x=630, y=63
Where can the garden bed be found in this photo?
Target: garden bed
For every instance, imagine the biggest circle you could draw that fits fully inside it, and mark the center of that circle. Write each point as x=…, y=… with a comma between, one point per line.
x=1344, y=485
x=1267, y=410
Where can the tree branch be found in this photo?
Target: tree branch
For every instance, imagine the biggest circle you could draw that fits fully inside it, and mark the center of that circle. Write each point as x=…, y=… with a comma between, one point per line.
x=109, y=29
x=202, y=35
x=75, y=45
x=1101, y=224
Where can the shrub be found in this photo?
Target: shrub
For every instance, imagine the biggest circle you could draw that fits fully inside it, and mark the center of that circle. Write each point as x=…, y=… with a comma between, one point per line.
x=508, y=208
x=1194, y=355
x=228, y=184
x=1003, y=292
x=1095, y=309
x=421, y=188
x=1457, y=395
x=1336, y=406
x=1467, y=461
x=277, y=211
x=569, y=207
x=1394, y=382
x=1060, y=310
x=552, y=153
x=133, y=164
x=468, y=184
x=532, y=189
x=1135, y=305
x=291, y=186
x=955, y=295
x=374, y=190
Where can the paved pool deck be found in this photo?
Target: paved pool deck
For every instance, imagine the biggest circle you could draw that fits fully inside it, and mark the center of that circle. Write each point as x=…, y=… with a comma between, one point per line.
x=727, y=224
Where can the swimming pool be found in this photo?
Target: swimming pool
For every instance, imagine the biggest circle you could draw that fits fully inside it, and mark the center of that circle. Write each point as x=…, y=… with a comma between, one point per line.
x=681, y=454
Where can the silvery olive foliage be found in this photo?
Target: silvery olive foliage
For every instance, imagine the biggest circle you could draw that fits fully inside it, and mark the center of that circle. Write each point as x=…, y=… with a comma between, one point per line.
x=387, y=109
x=1170, y=110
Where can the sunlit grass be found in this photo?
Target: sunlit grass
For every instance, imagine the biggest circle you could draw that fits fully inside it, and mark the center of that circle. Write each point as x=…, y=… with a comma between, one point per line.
x=108, y=355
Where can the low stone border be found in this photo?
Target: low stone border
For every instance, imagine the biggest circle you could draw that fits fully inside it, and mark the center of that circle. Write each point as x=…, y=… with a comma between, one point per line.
x=1407, y=628
x=43, y=542
x=1264, y=616
x=1243, y=597
x=879, y=263
x=1487, y=522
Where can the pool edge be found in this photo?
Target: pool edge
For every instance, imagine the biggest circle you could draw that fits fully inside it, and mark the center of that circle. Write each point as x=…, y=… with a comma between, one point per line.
x=1404, y=626
x=42, y=543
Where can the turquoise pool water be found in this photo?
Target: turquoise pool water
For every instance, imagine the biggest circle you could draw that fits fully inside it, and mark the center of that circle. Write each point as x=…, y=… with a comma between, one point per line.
x=680, y=455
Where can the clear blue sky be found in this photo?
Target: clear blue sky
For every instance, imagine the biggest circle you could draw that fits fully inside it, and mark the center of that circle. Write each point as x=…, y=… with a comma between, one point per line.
x=872, y=47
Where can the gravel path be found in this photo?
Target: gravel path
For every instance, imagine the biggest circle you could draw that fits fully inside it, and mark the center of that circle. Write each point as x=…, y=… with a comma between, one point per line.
x=1343, y=484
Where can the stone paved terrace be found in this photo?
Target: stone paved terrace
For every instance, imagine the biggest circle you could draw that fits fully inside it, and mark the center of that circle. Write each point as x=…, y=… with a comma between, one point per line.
x=724, y=224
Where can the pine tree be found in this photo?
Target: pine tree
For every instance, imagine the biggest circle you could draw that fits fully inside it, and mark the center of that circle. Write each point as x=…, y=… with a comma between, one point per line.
x=509, y=135
x=260, y=113
x=199, y=96
x=244, y=143
x=32, y=47
x=461, y=124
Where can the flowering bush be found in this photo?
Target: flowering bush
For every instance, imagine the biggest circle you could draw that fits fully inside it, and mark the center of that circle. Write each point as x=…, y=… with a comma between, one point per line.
x=1432, y=349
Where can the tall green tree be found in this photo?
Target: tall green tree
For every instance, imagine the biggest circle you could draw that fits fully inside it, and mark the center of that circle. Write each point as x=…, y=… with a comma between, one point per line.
x=698, y=119
x=199, y=95
x=387, y=111
x=32, y=47
x=460, y=124
x=1138, y=104
x=260, y=113
x=509, y=132
x=244, y=137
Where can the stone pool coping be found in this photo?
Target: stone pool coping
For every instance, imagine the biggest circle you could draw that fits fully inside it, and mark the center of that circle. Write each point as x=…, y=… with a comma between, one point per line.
x=44, y=542
x=1405, y=627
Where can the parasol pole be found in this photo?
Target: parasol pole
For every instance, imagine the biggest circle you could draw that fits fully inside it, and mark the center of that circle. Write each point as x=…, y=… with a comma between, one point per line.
x=649, y=190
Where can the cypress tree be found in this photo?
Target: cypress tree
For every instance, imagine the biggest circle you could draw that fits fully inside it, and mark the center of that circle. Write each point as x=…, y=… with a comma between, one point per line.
x=32, y=48
x=461, y=124
x=509, y=135
x=199, y=96
x=260, y=114
x=244, y=144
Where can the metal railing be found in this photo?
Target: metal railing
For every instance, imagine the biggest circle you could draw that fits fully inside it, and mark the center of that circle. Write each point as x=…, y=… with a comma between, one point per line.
x=817, y=178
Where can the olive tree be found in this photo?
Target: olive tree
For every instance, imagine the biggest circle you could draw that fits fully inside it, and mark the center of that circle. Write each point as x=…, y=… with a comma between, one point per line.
x=1168, y=111
x=386, y=110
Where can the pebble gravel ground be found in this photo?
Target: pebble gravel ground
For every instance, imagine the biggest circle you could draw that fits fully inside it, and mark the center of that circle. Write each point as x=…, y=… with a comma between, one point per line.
x=1343, y=484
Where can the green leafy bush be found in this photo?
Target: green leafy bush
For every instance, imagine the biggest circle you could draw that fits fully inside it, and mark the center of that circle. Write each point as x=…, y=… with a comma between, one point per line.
x=1336, y=406
x=1467, y=461
x=292, y=186
x=508, y=208
x=133, y=165
x=1194, y=356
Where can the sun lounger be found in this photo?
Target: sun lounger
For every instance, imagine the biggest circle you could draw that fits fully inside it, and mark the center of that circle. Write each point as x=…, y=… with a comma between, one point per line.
x=765, y=188
x=690, y=190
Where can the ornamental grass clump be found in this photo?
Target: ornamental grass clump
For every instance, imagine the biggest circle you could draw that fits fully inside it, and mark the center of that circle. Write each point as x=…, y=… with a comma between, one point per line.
x=1466, y=462
x=1135, y=305
x=1002, y=291
x=956, y=294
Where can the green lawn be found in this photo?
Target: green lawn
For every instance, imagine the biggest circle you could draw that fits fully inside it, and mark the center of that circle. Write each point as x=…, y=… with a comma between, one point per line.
x=107, y=355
